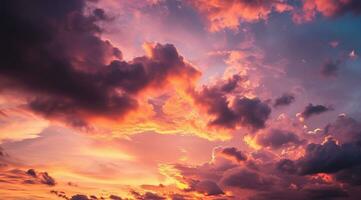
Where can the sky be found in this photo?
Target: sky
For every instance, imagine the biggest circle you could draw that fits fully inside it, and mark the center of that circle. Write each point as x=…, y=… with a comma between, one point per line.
x=180, y=99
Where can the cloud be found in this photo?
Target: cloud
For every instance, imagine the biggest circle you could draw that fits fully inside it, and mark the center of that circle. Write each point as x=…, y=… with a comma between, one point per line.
x=232, y=153
x=241, y=111
x=311, y=110
x=79, y=197
x=329, y=157
x=208, y=188
x=277, y=138
x=311, y=8
x=68, y=72
x=147, y=196
x=229, y=14
x=345, y=129
x=114, y=197
x=326, y=193
x=247, y=179
x=284, y=100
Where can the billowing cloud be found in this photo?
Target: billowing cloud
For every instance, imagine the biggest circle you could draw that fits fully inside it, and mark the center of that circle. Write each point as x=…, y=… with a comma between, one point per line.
x=240, y=111
x=69, y=71
x=329, y=157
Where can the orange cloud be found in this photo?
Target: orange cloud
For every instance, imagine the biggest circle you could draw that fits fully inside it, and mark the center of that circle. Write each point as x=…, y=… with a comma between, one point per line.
x=229, y=14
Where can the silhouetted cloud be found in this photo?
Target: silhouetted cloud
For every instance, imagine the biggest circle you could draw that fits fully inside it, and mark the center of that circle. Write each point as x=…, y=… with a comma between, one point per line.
x=69, y=71
x=329, y=157
x=79, y=197
x=311, y=110
x=234, y=153
x=241, y=111
x=284, y=100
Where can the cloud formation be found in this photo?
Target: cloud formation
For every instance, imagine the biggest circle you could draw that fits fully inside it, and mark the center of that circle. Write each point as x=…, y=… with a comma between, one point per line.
x=229, y=14
x=72, y=74
x=231, y=113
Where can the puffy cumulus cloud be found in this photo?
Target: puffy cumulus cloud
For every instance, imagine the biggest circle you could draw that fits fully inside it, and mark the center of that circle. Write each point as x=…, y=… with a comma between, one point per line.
x=284, y=100
x=325, y=171
x=229, y=14
x=338, y=158
x=328, y=8
x=232, y=112
x=329, y=157
x=311, y=110
x=330, y=68
x=55, y=55
x=277, y=138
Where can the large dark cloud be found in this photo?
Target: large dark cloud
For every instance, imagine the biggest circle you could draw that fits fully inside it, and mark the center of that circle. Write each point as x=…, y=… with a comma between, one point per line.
x=311, y=110
x=329, y=157
x=241, y=111
x=53, y=51
x=277, y=138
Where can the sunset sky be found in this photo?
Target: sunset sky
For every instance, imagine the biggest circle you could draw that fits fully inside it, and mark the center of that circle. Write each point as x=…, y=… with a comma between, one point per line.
x=180, y=99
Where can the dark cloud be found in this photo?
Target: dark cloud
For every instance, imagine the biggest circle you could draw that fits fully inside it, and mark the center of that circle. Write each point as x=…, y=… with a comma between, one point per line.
x=234, y=153
x=43, y=177
x=53, y=51
x=251, y=113
x=79, y=197
x=326, y=193
x=242, y=111
x=287, y=166
x=277, y=138
x=311, y=110
x=329, y=157
x=284, y=100
x=60, y=194
x=330, y=68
